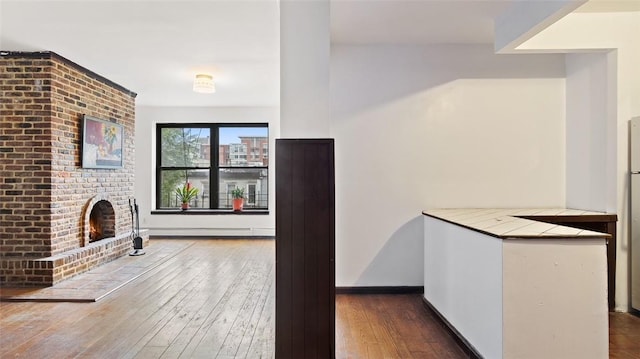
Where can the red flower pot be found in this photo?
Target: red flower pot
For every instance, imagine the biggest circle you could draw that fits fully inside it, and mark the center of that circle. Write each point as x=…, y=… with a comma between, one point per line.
x=237, y=204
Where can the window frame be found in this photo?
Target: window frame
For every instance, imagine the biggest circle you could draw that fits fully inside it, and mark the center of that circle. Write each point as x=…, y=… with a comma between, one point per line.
x=214, y=163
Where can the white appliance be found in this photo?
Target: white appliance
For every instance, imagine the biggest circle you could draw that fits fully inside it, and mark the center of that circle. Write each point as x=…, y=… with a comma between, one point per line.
x=635, y=212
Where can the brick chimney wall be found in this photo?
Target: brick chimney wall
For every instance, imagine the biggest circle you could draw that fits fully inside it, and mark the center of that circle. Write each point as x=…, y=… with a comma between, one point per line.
x=44, y=191
x=25, y=157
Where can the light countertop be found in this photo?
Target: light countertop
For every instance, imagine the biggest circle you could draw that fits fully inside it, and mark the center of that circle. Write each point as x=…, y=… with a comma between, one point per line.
x=506, y=223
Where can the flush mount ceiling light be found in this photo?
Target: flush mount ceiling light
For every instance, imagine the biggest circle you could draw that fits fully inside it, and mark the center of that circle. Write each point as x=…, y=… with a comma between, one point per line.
x=203, y=83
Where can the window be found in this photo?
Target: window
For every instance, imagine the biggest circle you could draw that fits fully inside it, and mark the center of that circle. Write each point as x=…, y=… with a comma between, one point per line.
x=215, y=159
x=251, y=194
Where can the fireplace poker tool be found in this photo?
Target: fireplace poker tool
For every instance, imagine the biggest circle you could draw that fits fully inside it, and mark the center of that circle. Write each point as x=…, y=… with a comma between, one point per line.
x=135, y=233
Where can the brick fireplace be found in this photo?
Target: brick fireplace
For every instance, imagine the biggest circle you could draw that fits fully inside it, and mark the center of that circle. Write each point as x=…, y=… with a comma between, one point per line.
x=48, y=202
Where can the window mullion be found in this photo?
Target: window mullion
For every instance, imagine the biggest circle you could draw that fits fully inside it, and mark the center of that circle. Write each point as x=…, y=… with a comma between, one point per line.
x=214, y=172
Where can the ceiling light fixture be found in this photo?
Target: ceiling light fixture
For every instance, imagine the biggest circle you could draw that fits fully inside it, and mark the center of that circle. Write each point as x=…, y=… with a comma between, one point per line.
x=203, y=83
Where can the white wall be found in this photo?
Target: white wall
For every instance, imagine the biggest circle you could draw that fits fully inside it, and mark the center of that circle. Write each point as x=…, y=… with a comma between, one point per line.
x=591, y=131
x=304, y=69
x=178, y=224
x=618, y=32
x=419, y=127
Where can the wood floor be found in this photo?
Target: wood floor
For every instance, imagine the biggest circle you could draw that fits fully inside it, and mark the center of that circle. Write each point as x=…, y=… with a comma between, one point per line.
x=215, y=299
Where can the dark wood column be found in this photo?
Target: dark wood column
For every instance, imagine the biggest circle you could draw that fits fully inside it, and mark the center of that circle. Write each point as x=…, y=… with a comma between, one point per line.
x=305, y=235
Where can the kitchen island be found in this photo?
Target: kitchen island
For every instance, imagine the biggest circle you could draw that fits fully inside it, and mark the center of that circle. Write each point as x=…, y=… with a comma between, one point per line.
x=514, y=287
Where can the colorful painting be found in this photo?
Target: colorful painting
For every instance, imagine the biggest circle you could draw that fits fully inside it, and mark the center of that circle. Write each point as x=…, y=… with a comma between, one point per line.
x=102, y=144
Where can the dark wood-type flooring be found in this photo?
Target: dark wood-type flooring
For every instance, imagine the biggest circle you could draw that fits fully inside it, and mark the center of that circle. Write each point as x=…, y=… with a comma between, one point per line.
x=215, y=299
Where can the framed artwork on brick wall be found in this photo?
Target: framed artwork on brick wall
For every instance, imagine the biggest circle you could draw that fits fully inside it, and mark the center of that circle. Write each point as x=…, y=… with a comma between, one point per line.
x=102, y=143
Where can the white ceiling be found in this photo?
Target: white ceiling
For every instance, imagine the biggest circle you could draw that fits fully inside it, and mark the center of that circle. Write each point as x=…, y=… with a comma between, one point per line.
x=610, y=6
x=155, y=47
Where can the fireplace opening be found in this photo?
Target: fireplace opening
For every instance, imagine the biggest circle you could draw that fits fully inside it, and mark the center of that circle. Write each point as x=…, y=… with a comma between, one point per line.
x=102, y=221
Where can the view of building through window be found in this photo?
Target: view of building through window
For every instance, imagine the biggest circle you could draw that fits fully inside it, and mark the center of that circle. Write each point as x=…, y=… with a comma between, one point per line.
x=243, y=147
x=241, y=160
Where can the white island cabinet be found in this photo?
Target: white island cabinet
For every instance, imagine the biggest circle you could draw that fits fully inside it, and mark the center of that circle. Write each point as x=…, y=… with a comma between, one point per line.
x=517, y=288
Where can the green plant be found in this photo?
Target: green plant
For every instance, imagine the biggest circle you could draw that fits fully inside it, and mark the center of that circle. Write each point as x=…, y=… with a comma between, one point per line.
x=186, y=193
x=237, y=192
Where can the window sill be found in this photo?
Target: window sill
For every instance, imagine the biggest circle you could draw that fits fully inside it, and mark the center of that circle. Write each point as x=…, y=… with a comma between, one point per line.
x=197, y=211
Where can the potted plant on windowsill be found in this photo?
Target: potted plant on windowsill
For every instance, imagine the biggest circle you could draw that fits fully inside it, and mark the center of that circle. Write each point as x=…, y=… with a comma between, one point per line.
x=238, y=199
x=186, y=193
